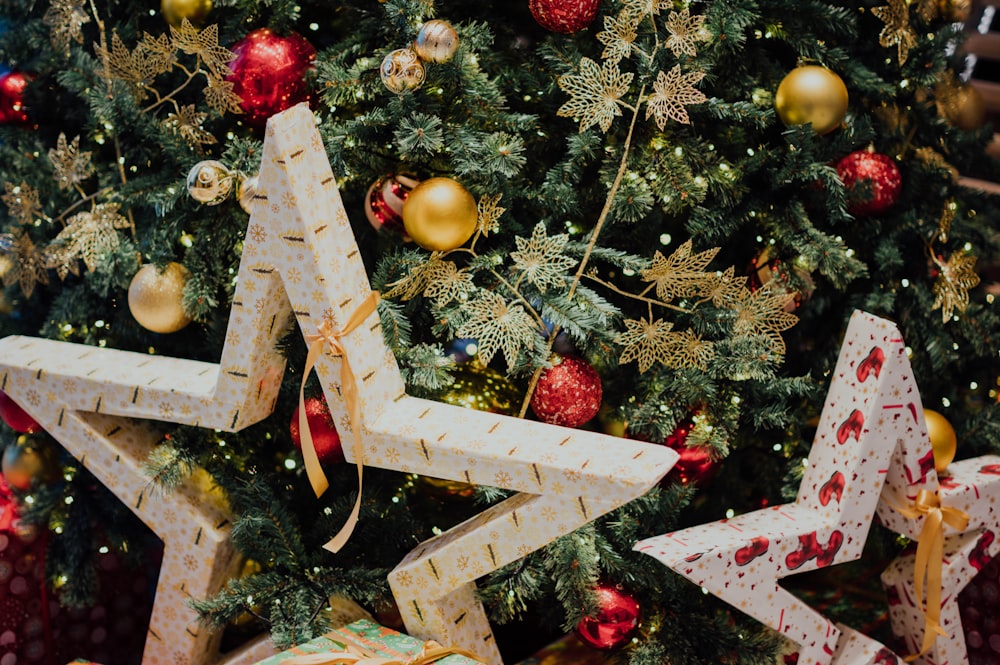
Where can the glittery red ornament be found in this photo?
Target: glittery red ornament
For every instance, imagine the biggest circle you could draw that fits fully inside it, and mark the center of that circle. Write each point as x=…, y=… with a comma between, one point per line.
x=384, y=201
x=12, y=108
x=269, y=73
x=16, y=417
x=872, y=180
x=564, y=16
x=616, y=619
x=979, y=605
x=568, y=393
x=321, y=427
x=695, y=465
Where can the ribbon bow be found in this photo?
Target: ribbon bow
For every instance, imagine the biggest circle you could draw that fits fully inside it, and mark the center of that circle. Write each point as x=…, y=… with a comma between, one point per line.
x=355, y=655
x=930, y=554
x=349, y=389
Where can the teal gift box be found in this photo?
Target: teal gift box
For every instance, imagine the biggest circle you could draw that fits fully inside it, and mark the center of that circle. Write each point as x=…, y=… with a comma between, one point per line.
x=369, y=637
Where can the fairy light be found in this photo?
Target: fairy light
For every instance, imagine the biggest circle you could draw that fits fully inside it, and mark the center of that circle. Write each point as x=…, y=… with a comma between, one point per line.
x=290, y=464
x=665, y=238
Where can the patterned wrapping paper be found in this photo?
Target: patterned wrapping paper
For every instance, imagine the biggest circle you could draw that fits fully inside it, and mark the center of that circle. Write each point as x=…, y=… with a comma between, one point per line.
x=369, y=636
x=300, y=257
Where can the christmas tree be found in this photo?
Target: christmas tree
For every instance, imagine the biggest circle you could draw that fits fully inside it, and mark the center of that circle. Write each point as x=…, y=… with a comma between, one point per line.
x=649, y=219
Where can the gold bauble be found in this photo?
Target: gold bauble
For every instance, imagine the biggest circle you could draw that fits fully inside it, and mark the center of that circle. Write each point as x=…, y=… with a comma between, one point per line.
x=209, y=182
x=943, y=439
x=966, y=108
x=29, y=462
x=812, y=94
x=175, y=11
x=439, y=214
x=437, y=41
x=955, y=10
x=402, y=70
x=155, y=298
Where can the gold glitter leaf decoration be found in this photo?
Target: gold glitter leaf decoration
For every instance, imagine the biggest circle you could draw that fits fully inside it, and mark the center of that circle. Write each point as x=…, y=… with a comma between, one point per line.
x=540, y=260
x=594, y=94
x=726, y=288
x=87, y=236
x=219, y=96
x=29, y=268
x=897, y=31
x=762, y=312
x=647, y=342
x=951, y=290
x=22, y=202
x=446, y=283
x=160, y=51
x=65, y=19
x=618, y=35
x=671, y=93
x=945, y=220
x=71, y=166
x=681, y=275
x=138, y=67
x=489, y=214
x=188, y=124
x=204, y=44
x=495, y=325
x=685, y=32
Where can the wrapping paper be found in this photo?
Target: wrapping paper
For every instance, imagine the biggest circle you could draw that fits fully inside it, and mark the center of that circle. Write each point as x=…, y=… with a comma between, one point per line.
x=369, y=636
x=300, y=257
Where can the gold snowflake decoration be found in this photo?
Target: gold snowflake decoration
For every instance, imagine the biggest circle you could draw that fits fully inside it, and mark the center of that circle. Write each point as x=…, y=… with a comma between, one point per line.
x=951, y=290
x=71, y=166
x=188, y=123
x=727, y=287
x=22, y=202
x=489, y=214
x=647, y=342
x=29, y=268
x=219, y=96
x=618, y=35
x=685, y=32
x=65, y=19
x=205, y=45
x=447, y=283
x=139, y=67
x=762, y=312
x=897, y=31
x=87, y=236
x=594, y=94
x=671, y=93
x=682, y=274
x=495, y=325
x=642, y=8
x=540, y=260
x=412, y=285
x=690, y=350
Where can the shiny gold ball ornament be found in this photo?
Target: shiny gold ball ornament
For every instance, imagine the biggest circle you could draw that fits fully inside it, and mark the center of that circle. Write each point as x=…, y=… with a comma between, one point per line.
x=28, y=463
x=812, y=94
x=209, y=182
x=402, y=71
x=437, y=41
x=440, y=214
x=966, y=108
x=175, y=11
x=943, y=439
x=155, y=298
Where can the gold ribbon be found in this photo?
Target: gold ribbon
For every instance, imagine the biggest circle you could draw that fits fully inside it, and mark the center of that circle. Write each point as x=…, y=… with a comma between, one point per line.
x=355, y=655
x=349, y=390
x=930, y=556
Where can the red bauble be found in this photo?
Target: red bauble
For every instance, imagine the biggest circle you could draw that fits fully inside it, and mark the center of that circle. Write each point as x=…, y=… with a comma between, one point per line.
x=16, y=417
x=695, y=465
x=12, y=108
x=564, y=16
x=384, y=201
x=872, y=180
x=616, y=619
x=568, y=393
x=321, y=427
x=269, y=73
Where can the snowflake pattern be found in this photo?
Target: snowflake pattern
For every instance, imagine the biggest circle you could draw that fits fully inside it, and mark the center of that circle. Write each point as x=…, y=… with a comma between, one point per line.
x=594, y=93
x=671, y=93
x=646, y=342
x=540, y=259
x=618, y=36
x=685, y=32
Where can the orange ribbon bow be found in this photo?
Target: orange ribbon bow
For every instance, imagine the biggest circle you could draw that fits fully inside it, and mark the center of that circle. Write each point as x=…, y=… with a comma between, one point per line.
x=349, y=389
x=354, y=655
x=930, y=556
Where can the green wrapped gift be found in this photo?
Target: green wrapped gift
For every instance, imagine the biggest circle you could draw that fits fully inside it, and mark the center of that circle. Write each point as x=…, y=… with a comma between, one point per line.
x=363, y=639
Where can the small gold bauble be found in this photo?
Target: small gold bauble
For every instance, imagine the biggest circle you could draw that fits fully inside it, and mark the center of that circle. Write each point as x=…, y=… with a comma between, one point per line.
x=155, y=298
x=955, y=10
x=440, y=214
x=812, y=94
x=943, y=440
x=27, y=463
x=209, y=182
x=402, y=70
x=175, y=11
x=245, y=191
x=437, y=41
x=966, y=108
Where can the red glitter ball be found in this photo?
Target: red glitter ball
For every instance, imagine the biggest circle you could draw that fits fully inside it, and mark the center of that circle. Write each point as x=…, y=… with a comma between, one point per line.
x=564, y=16
x=872, y=180
x=568, y=393
x=16, y=417
x=616, y=619
x=695, y=464
x=12, y=109
x=324, y=434
x=269, y=73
